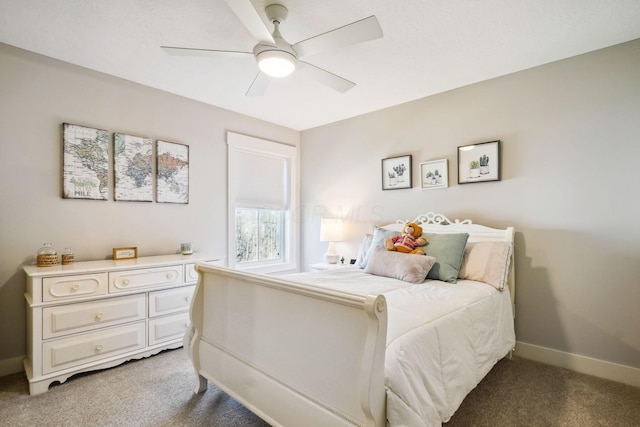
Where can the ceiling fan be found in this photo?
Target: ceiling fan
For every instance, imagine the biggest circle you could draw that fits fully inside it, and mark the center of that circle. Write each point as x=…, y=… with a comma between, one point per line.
x=278, y=58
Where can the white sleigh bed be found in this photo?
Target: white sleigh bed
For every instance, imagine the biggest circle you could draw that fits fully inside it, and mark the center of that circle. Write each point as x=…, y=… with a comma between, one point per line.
x=351, y=347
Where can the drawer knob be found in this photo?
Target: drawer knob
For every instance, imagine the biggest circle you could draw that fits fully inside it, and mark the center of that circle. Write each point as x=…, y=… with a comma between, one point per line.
x=169, y=276
x=187, y=299
x=99, y=315
x=99, y=347
x=125, y=282
x=75, y=287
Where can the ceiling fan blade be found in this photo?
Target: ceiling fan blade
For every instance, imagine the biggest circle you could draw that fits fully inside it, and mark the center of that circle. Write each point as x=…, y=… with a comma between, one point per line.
x=187, y=51
x=245, y=11
x=357, y=32
x=259, y=85
x=326, y=78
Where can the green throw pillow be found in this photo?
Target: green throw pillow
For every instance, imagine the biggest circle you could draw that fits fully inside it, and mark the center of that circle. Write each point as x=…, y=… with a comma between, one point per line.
x=448, y=250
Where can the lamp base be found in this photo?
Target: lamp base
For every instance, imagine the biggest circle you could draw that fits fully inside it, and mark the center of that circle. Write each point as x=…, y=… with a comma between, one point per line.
x=331, y=256
x=331, y=259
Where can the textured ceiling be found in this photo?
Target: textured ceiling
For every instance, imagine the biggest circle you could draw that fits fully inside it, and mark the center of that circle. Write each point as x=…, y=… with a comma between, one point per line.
x=429, y=46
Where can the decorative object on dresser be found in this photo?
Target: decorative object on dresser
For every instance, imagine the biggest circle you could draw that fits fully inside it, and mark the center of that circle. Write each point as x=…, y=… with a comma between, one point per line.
x=85, y=169
x=396, y=173
x=97, y=314
x=331, y=230
x=47, y=256
x=125, y=253
x=434, y=174
x=67, y=256
x=479, y=162
x=172, y=172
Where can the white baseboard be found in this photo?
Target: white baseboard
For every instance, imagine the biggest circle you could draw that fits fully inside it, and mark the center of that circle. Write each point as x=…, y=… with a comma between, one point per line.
x=586, y=365
x=11, y=366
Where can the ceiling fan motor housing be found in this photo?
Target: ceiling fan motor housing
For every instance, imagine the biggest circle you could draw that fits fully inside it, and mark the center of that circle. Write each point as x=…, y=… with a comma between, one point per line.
x=279, y=60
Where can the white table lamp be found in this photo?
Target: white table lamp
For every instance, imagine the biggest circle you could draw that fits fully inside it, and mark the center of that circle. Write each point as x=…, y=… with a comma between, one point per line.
x=331, y=230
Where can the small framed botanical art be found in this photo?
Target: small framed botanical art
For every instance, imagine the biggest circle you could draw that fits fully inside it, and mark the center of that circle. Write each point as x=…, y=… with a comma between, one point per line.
x=479, y=162
x=85, y=168
x=396, y=173
x=172, y=181
x=434, y=174
x=125, y=253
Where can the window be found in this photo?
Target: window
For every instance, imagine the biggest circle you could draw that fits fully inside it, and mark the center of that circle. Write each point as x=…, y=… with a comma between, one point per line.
x=259, y=234
x=262, y=179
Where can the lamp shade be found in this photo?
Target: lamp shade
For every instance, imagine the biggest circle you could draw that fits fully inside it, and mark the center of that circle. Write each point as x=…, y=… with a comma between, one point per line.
x=331, y=230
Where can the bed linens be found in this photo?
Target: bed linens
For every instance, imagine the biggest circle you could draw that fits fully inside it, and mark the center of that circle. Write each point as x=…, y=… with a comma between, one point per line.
x=442, y=339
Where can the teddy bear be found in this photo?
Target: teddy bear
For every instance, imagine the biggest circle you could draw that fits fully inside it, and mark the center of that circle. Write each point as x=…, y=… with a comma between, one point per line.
x=406, y=242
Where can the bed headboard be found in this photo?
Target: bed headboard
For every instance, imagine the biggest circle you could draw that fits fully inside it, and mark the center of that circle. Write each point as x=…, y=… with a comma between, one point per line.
x=437, y=223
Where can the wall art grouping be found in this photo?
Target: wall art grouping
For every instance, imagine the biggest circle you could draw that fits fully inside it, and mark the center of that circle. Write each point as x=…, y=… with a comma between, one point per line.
x=85, y=172
x=476, y=163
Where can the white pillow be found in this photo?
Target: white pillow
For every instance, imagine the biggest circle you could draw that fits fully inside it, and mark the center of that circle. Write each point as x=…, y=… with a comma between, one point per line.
x=363, y=249
x=486, y=262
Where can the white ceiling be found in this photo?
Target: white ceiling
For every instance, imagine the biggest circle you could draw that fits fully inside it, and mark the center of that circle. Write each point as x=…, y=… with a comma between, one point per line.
x=429, y=46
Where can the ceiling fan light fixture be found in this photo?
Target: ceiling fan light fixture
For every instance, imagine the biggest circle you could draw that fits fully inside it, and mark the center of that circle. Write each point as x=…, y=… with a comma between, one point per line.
x=276, y=63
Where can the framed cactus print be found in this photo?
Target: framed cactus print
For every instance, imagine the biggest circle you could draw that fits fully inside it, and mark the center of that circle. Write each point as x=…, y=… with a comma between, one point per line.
x=479, y=162
x=396, y=173
x=434, y=174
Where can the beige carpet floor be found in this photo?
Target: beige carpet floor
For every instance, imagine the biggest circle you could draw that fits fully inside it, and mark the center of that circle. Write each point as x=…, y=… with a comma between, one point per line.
x=158, y=391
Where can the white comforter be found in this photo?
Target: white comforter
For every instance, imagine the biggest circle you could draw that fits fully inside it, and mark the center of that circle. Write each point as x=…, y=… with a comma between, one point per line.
x=442, y=339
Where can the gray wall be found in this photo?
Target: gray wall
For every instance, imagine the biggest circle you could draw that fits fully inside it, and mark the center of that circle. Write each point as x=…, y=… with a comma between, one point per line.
x=38, y=94
x=571, y=147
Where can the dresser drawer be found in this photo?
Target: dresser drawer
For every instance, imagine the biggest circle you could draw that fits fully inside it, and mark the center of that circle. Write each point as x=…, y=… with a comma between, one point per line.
x=168, y=328
x=131, y=280
x=69, y=287
x=170, y=301
x=93, y=346
x=82, y=317
x=190, y=273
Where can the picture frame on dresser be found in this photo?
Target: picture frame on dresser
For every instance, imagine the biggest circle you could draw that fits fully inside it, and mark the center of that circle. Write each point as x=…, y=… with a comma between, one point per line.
x=396, y=172
x=125, y=253
x=479, y=162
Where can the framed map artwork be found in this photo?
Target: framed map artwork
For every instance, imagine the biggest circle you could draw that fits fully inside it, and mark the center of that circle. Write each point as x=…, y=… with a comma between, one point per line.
x=172, y=184
x=133, y=168
x=85, y=162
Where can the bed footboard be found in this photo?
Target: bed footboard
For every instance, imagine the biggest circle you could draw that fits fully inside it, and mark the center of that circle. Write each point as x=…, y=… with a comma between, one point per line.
x=293, y=354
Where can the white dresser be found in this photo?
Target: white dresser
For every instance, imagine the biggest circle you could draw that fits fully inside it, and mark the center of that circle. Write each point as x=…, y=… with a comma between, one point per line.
x=97, y=314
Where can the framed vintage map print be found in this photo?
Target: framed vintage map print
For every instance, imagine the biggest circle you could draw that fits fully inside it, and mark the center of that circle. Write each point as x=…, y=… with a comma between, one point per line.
x=85, y=163
x=133, y=168
x=172, y=183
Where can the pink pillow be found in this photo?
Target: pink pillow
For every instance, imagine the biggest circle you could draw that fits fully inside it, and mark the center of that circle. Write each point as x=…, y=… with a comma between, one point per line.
x=486, y=262
x=408, y=267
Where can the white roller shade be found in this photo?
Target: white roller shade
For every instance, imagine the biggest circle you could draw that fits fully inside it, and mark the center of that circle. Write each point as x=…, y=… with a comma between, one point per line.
x=260, y=173
x=261, y=180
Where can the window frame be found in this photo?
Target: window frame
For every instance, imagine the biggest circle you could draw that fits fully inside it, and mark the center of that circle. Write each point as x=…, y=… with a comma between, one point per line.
x=291, y=230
